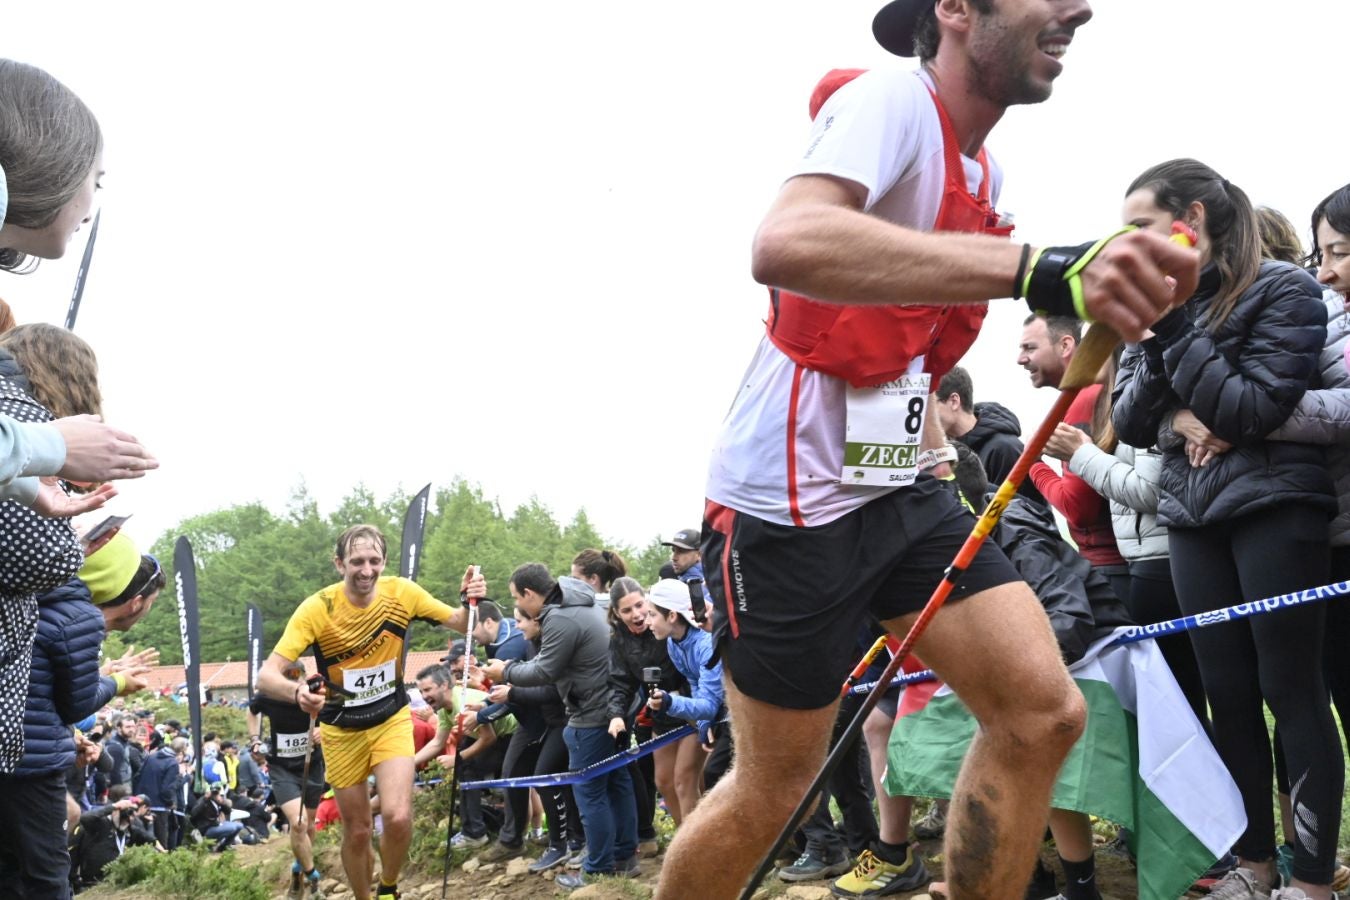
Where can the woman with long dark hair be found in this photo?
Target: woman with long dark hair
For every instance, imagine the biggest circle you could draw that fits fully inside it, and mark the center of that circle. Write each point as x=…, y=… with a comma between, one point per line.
x=1247, y=516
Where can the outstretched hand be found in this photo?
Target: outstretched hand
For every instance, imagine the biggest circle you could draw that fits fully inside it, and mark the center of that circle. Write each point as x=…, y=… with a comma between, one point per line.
x=96, y=451
x=54, y=503
x=1137, y=278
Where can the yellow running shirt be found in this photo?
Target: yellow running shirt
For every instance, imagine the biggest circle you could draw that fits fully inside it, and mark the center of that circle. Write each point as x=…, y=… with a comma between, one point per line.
x=360, y=648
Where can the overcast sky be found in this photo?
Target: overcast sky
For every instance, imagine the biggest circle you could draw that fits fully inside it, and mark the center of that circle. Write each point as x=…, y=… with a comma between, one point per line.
x=510, y=241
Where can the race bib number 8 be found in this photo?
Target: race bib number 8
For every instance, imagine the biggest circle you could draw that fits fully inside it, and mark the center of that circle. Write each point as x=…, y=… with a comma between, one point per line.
x=883, y=430
x=292, y=745
x=369, y=685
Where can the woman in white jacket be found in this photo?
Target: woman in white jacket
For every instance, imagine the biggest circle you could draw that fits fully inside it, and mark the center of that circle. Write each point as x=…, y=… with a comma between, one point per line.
x=1128, y=478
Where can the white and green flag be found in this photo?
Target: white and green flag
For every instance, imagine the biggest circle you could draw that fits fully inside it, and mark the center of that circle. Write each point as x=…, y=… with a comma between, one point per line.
x=1144, y=761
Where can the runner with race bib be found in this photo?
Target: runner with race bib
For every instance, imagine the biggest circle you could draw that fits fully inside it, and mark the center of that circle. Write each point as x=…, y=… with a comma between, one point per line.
x=356, y=629
x=284, y=742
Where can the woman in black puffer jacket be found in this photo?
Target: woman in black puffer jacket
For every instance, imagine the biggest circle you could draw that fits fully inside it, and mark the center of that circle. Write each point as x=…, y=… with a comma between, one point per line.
x=1247, y=517
x=675, y=769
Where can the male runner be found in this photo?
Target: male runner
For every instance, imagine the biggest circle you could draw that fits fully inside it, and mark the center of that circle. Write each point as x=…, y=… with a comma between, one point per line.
x=285, y=742
x=357, y=628
x=817, y=511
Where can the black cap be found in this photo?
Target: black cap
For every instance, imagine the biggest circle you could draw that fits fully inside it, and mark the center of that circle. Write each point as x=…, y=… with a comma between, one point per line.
x=893, y=26
x=685, y=539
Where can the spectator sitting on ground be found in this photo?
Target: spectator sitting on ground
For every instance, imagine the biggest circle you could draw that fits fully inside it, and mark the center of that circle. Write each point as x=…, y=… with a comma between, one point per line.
x=211, y=817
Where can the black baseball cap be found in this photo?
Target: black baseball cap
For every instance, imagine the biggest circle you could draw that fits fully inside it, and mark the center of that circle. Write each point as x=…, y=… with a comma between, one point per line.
x=685, y=539
x=893, y=26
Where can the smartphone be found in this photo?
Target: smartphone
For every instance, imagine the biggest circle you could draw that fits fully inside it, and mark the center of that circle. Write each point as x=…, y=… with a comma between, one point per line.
x=103, y=528
x=697, y=603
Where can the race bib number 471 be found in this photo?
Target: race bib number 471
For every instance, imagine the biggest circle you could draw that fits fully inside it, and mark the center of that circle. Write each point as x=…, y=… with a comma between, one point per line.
x=883, y=431
x=369, y=685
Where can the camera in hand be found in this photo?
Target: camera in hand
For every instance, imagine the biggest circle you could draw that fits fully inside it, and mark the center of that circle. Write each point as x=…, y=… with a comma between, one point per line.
x=651, y=678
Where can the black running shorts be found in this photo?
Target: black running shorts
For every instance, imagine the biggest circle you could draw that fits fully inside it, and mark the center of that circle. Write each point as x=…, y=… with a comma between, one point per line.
x=286, y=784
x=790, y=600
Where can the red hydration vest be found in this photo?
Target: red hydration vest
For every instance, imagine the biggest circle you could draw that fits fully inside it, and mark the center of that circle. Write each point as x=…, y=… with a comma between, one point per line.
x=871, y=344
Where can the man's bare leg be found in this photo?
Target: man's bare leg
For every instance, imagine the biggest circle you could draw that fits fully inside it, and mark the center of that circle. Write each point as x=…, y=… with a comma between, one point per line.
x=778, y=753
x=354, y=805
x=997, y=651
x=393, y=782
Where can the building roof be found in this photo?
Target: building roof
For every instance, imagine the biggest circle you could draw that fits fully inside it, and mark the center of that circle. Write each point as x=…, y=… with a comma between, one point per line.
x=234, y=675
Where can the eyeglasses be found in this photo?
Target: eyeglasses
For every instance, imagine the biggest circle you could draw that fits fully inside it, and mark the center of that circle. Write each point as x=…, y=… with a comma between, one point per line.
x=155, y=574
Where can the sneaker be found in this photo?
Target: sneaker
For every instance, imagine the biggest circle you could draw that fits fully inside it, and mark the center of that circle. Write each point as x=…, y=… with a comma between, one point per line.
x=1240, y=884
x=648, y=849
x=463, y=840
x=552, y=858
x=1340, y=879
x=809, y=868
x=933, y=823
x=576, y=856
x=629, y=868
x=874, y=877
x=1042, y=885
x=538, y=837
x=297, y=888
x=570, y=881
x=499, y=852
x=388, y=893
x=315, y=892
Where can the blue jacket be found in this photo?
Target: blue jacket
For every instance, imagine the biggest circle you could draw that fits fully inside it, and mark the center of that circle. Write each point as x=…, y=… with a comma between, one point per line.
x=691, y=655
x=510, y=643
x=65, y=686
x=160, y=779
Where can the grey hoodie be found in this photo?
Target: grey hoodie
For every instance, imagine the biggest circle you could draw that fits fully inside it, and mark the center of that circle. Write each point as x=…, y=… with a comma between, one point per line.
x=573, y=654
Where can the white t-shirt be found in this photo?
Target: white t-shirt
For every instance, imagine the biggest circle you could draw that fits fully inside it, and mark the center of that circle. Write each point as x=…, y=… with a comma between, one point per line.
x=881, y=131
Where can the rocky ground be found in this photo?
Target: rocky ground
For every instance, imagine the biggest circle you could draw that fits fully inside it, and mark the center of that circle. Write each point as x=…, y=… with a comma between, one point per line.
x=511, y=881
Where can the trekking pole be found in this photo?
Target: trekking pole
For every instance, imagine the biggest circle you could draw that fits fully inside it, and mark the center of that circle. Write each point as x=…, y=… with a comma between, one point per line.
x=458, y=734
x=313, y=685
x=1091, y=353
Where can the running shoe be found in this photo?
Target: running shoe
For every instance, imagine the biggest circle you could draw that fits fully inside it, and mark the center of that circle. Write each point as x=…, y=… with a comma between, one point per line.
x=500, y=852
x=933, y=823
x=552, y=858
x=809, y=868
x=1240, y=884
x=463, y=840
x=874, y=877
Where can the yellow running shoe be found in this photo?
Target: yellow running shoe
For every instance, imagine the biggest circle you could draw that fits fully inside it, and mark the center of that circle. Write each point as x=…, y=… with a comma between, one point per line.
x=874, y=877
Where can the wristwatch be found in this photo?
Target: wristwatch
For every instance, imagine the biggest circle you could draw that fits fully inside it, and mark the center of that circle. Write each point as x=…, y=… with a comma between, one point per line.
x=930, y=458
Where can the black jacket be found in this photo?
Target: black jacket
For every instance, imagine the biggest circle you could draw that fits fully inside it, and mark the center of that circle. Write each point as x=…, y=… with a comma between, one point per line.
x=629, y=654
x=1078, y=599
x=996, y=440
x=99, y=841
x=1242, y=382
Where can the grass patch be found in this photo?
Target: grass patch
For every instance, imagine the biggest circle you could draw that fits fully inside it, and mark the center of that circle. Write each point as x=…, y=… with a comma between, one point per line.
x=194, y=873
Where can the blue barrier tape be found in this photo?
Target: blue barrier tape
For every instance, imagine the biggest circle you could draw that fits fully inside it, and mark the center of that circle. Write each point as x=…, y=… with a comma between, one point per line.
x=594, y=770
x=1136, y=633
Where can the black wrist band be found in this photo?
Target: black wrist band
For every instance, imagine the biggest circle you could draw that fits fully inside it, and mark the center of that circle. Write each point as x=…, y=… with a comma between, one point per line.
x=1021, y=272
